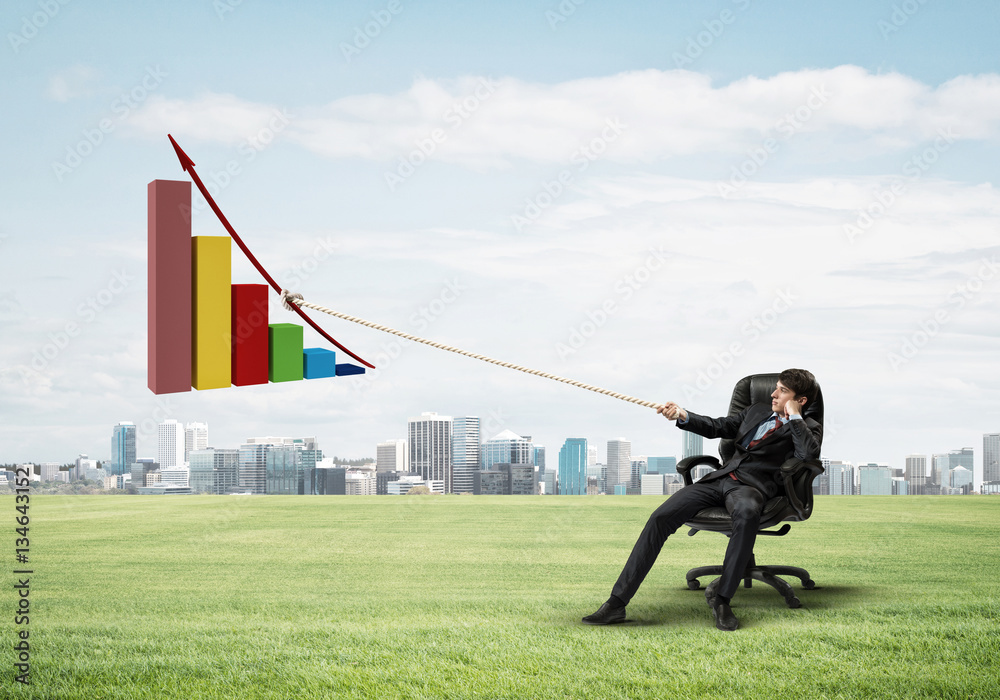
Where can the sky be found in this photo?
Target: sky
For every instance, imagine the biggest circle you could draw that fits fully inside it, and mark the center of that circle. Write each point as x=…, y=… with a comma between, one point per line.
x=654, y=198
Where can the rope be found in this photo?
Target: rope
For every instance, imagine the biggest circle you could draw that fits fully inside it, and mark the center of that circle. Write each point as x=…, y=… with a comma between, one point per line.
x=289, y=299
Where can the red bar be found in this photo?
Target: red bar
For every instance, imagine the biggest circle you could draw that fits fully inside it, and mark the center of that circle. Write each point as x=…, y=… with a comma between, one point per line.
x=249, y=334
x=168, y=361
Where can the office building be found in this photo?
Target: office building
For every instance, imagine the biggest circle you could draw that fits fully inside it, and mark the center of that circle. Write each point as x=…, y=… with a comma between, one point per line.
x=392, y=456
x=429, y=439
x=573, y=467
x=638, y=469
x=653, y=484
x=694, y=445
x=82, y=465
x=49, y=471
x=175, y=476
x=840, y=476
x=465, y=457
x=991, y=457
x=141, y=470
x=875, y=480
x=214, y=470
x=360, y=482
x=592, y=455
x=619, y=463
x=961, y=480
x=330, y=479
x=539, y=458
x=195, y=438
x=402, y=486
x=549, y=483
x=122, y=448
x=661, y=465
x=507, y=448
x=506, y=480
x=916, y=466
x=170, y=444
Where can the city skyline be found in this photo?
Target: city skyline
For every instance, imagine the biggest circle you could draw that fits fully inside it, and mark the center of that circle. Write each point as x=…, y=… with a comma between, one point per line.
x=658, y=199
x=507, y=446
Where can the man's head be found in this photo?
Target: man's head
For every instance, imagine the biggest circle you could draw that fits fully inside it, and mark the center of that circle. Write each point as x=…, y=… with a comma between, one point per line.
x=799, y=384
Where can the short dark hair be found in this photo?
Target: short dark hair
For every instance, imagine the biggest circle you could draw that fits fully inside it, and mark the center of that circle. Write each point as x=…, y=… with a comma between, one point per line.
x=802, y=382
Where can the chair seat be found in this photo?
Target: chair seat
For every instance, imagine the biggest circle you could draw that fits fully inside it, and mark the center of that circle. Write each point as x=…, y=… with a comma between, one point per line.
x=717, y=519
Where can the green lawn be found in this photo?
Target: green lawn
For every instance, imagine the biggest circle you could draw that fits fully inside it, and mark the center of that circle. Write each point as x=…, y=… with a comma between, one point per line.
x=481, y=597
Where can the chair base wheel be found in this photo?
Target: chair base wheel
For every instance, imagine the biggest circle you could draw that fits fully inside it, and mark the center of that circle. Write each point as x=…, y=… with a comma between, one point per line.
x=764, y=574
x=694, y=584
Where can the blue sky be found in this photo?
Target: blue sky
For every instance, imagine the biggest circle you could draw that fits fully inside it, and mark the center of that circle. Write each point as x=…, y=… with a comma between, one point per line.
x=689, y=113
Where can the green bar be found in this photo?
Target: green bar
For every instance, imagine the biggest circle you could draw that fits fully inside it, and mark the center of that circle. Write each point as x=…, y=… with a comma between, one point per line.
x=284, y=357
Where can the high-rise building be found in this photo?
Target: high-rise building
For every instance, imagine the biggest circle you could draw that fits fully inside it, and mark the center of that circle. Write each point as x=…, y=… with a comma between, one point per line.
x=573, y=467
x=693, y=445
x=195, y=438
x=392, y=456
x=619, y=463
x=465, y=442
x=122, y=448
x=991, y=457
x=875, y=480
x=49, y=471
x=430, y=447
x=539, y=459
x=82, y=466
x=637, y=471
x=940, y=470
x=840, y=477
x=170, y=444
x=661, y=465
x=961, y=458
x=652, y=484
x=507, y=448
x=961, y=479
x=592, y=455
x=916, y=466
x=141, y=469
x=214, y=470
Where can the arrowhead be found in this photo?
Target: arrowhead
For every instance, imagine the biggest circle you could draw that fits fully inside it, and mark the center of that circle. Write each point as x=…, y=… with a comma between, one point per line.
x=183, y=157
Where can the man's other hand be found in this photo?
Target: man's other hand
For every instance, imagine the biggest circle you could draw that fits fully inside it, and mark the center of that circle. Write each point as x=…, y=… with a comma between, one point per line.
x=672, y=411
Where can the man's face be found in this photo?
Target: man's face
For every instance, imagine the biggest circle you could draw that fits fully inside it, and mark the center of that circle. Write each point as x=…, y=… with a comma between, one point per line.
x=780, y=396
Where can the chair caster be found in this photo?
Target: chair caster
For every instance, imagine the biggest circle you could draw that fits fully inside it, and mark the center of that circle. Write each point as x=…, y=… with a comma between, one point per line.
x=793, y=602
x=694, y=584
x=809, y=584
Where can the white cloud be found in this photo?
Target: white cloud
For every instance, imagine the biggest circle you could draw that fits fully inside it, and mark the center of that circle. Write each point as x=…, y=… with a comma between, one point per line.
x=664, y=114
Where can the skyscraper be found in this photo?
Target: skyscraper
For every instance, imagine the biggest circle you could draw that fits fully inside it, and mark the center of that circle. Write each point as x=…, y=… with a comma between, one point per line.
x=392, y=456
x=214, y=470
x=693, y=445
x=195, y=438
x=573, y=467
x=619, y=463
x=430, y=447
x=875, y=480
x=122, y=448
x=507, y=448
x=991, y=457
x=465, y=441
x=170, y=444
x=540, y=459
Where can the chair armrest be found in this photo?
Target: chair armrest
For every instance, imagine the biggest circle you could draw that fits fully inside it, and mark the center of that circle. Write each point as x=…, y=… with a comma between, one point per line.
x=685, y=466
x=789, y=470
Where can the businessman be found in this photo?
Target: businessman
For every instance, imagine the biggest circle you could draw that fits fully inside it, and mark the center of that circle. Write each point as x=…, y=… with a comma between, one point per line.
x=766, y=436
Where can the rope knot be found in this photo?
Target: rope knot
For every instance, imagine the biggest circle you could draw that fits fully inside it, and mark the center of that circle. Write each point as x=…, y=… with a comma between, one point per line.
x=288, y=297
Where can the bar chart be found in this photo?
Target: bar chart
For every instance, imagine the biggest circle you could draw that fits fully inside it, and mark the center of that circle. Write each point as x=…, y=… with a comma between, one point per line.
x=204, y=331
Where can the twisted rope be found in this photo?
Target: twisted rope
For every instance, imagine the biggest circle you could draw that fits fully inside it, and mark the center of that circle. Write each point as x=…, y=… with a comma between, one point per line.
x=288, y=298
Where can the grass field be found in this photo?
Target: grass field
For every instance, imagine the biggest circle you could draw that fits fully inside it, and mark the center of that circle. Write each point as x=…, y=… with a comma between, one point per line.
x=481, y=597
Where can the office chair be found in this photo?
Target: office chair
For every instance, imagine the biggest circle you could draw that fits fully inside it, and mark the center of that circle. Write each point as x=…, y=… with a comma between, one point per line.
x=794, y=505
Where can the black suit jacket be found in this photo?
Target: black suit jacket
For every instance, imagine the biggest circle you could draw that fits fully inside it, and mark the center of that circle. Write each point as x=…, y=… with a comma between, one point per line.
x=759, y=466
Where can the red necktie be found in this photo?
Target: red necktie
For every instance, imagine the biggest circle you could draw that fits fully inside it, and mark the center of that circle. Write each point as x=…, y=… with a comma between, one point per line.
x=765, y=436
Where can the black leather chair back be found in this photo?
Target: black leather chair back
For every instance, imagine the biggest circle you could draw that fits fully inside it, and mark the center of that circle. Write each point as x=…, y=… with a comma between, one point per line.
x=757, y=388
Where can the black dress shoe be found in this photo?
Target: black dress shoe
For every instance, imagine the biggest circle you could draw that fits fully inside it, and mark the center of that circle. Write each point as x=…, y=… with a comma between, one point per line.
x=723, y=614
x=606, y=615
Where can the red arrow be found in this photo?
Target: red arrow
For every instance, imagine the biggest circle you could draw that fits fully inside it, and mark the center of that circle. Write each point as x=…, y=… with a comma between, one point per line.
x=188, y=165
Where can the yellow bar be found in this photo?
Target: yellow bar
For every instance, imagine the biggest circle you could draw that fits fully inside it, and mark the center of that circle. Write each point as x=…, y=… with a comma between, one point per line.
x=211, y=302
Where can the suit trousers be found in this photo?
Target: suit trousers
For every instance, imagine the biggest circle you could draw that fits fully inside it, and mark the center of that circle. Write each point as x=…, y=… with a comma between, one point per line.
x=744, y=503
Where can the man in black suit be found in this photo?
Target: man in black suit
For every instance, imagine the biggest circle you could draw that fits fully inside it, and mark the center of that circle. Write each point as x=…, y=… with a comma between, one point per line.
x=766, y=436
